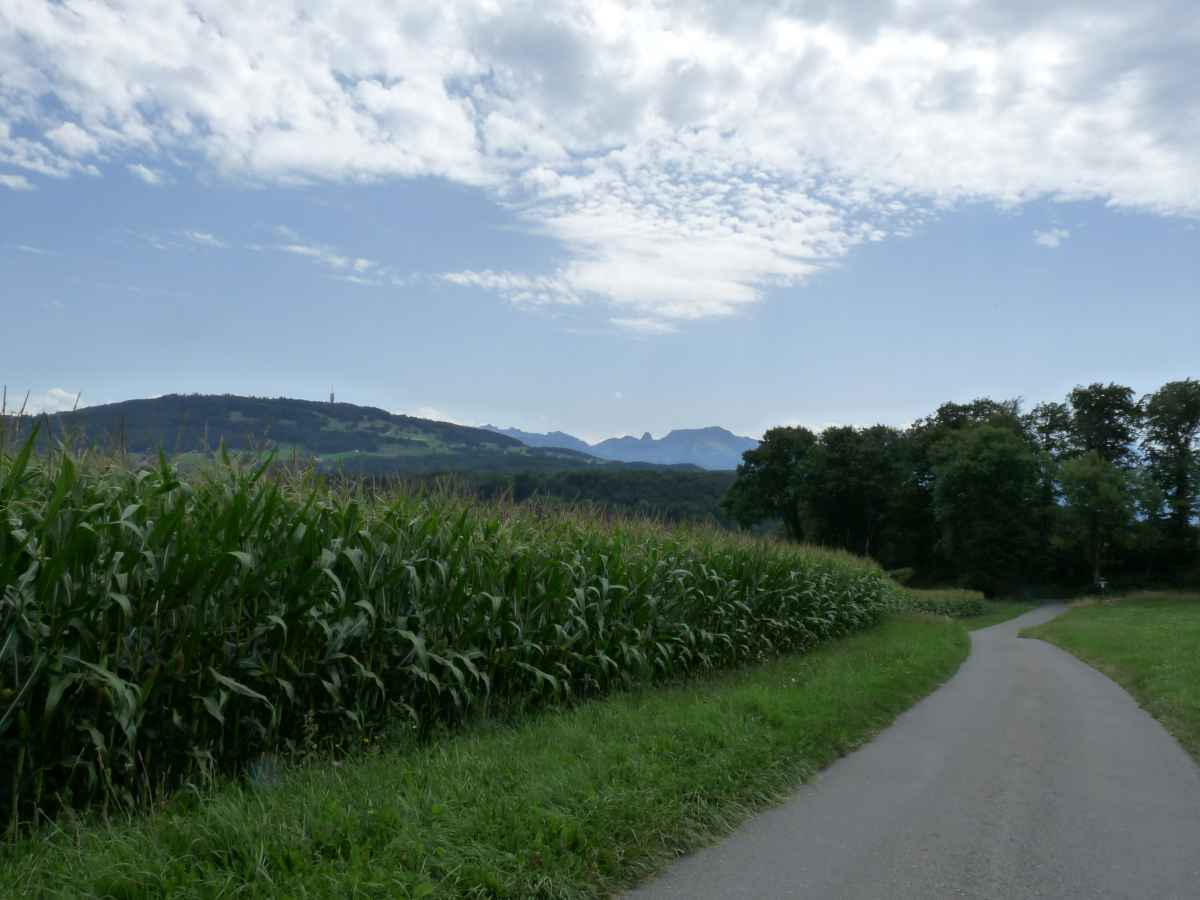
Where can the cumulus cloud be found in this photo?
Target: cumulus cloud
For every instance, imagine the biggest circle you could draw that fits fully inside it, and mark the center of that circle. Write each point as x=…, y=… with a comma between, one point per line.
x=151, y=176
x=1052, y=238
x=73, y=140
x=686, y=157
x=51, y=401
x=16, y=182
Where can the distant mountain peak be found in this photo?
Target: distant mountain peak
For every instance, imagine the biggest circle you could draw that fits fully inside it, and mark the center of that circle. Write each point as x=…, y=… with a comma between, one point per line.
x=711, y=447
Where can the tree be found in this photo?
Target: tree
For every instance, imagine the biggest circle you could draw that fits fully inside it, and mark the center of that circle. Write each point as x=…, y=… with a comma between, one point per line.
x=1172, y=446
x=986, y=501
x=1099, y=506
x=1051, y=426
x=1105, y=418
x=767, y=486
x=849, y=486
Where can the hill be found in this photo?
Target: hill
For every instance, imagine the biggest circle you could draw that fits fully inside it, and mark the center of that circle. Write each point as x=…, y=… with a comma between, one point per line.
x=358, y=439
x=709, y=448
x=552, y=439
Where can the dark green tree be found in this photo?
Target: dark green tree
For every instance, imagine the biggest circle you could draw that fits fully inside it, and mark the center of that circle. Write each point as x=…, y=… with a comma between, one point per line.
x=1098, y=508
x=1105, y=418
x=850, y=485
x=769, y=479
x=986, y=500
x=1051, y=426
x=1172, y=447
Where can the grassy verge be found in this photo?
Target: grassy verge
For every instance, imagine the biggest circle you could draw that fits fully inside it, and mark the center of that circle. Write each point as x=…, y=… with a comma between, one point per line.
x=1149, y=643
x=995, y=612
x=572, y=804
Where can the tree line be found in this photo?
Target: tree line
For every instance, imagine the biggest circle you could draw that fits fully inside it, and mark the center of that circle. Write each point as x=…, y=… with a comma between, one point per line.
x=1102, y=485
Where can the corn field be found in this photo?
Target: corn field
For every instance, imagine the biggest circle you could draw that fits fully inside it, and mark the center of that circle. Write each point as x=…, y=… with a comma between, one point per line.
x=958, y=603
x=156, y=630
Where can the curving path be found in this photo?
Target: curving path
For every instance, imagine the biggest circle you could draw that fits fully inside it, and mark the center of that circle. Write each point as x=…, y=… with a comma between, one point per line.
x=1028, y=775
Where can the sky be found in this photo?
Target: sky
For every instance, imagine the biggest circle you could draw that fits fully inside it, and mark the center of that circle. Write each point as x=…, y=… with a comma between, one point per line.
x=605, y=218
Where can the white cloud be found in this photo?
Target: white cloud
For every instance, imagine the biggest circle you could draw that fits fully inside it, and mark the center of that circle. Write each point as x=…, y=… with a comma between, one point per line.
x=644, y=325
x=150, y=176
x=1052, y=238
x=520, y=290
x=344, y=267
x=73, y=140
x=51, y=401
x=16, y=182
x=428, y=412
x=36, y=251
x=204, y=239
x=686, y=157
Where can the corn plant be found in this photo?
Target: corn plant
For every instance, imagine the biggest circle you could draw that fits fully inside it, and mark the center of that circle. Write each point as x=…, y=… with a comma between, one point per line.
x=157, y=629
x=955, y=602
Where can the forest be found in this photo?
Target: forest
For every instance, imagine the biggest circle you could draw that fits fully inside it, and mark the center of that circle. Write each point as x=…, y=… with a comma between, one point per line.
x=1098, y=490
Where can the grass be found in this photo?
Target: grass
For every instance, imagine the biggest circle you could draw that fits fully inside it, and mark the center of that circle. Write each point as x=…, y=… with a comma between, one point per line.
x=995, y=612
x=569, y=805
x=1149, y=643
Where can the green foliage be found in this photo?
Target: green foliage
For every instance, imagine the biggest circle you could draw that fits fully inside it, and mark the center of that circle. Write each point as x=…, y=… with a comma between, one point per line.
x=982, y=494
x=988, y=480
x=670, y=495
x=576, y=804
x=957, y=603
x=1172, y=446
x=1105, y=419
x=1099, y=506
x=850, y=484
x=768, y=482
x=156, y=629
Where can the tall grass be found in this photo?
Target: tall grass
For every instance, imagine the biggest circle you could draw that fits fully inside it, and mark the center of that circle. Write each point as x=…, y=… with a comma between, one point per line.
x=155, y=630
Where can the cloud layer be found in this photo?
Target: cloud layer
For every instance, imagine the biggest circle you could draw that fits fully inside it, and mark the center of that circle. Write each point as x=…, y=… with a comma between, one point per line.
x=686, y=157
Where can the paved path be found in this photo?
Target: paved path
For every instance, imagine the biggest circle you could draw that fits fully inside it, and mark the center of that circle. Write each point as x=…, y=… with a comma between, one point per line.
x=1028, y=775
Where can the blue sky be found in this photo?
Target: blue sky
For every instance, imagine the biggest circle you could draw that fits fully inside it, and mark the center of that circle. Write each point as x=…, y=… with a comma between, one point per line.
x=604, y=218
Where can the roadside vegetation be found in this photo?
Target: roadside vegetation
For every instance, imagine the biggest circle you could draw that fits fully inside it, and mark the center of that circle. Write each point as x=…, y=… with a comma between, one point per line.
x=1147, y=642
x=570, y=804
x=158, y=631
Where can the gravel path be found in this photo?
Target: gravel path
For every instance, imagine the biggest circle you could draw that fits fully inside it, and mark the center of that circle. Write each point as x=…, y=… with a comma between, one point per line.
x=1028, y=775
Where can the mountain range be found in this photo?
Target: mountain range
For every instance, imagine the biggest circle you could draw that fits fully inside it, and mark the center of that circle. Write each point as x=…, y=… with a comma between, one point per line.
x=356, y=438
x=709, y=448
x=334, y=436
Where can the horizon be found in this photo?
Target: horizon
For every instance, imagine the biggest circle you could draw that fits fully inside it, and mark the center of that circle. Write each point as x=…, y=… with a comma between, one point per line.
x=601, y=219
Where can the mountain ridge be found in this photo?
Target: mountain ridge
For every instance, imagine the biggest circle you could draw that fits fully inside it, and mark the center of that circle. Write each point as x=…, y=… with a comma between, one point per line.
x=711, y=447
x=335, y=436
